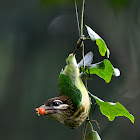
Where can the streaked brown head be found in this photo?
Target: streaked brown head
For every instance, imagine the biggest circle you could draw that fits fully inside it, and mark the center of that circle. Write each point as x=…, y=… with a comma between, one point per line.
x=58, y=108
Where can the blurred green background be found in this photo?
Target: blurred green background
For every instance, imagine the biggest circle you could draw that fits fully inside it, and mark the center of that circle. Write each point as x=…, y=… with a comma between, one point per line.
x=35, y=39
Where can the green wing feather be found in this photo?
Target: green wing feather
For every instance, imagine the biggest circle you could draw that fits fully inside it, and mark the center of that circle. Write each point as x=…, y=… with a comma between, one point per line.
x=66, y=87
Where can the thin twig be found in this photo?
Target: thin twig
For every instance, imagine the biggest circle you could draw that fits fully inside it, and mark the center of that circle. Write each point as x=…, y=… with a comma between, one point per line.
x=82, y=16
x=83, y=54
x=82, y=45
x=94, y=108
x=90, y=124
x=85, y=129
x=77, y=18
x=96, y=123
x=82, y=19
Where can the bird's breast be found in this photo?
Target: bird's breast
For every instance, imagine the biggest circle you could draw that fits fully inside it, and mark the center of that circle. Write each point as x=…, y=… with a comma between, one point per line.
x=78, y=117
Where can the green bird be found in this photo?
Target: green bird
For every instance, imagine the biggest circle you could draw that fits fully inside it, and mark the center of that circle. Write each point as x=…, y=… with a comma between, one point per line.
x=72, y=105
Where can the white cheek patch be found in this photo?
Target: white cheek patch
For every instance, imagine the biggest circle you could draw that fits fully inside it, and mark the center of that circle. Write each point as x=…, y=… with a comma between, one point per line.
x=61, y=107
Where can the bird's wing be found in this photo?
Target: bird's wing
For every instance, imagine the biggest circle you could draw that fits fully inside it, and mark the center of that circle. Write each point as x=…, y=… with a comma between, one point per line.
x=68, y=88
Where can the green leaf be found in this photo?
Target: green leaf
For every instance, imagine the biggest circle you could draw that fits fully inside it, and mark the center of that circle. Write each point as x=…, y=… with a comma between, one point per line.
x=99, y=41
x=102, y=46
x=103, y=69
x=112, y=110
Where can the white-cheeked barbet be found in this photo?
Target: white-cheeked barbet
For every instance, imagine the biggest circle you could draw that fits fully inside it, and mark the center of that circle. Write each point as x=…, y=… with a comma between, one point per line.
x=72, y=105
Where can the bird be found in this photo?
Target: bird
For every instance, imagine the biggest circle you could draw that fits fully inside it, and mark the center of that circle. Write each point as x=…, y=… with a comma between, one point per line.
x=72, y=105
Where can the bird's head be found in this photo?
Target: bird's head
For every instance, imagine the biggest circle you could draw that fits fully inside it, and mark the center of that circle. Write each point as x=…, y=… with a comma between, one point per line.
x=58, y=108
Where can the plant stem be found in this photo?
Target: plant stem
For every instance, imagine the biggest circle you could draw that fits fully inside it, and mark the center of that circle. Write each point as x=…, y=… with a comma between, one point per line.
x=77, y=18
x=94, y=108
x=85, y=129
x=81, y=32
x=82, y=17
x=82, y=45
x=90, y=124
x=83, y=54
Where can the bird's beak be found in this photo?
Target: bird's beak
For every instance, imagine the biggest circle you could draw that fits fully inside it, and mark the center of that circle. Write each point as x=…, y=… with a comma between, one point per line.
x=44, y=110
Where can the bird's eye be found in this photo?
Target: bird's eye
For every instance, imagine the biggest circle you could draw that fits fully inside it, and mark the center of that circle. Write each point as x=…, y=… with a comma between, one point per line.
x=56, y=103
